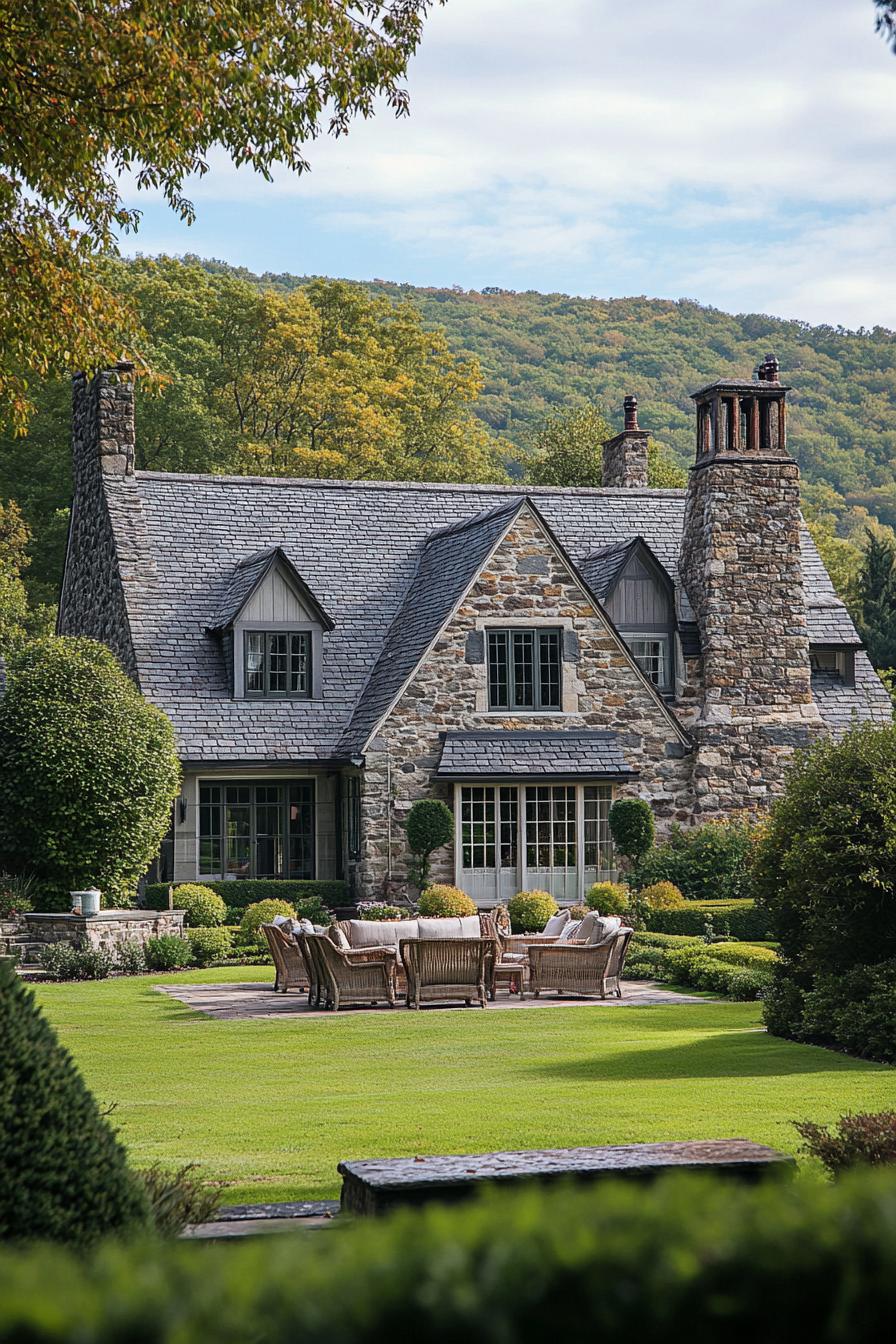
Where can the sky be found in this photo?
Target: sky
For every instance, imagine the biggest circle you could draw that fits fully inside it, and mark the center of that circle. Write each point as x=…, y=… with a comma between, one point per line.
x=736, y=152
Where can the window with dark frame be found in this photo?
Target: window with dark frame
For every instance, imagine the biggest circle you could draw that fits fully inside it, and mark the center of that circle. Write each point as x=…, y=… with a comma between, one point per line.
x=251, y=830
x=353, y=815
x=524, y=669
x=277, y=663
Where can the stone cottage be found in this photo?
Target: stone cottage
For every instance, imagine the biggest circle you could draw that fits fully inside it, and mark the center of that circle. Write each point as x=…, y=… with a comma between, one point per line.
x=331, y=651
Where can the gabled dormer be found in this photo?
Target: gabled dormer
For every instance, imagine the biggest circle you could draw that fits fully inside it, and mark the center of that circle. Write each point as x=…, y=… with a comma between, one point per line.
x=272, y=626
x=639, y=596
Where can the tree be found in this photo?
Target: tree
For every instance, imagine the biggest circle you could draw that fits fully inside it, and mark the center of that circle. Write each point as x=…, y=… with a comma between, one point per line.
x=65, y=1174
x=94, y=92
x=88, y=772
x=569, y=452
x=632, y=828
x=430, y=825
x=18, y=621
x=877, y=600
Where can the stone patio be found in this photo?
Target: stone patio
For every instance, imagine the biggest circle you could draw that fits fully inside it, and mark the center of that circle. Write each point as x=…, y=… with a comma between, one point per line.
x=253, y=1001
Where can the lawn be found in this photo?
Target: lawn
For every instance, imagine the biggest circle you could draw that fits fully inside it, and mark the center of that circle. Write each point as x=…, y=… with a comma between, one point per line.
x=271, y=1107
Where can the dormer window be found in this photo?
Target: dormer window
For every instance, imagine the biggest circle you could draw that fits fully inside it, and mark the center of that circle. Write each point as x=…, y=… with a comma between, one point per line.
x=651, y=653
x=524, y=669
x=278, y=663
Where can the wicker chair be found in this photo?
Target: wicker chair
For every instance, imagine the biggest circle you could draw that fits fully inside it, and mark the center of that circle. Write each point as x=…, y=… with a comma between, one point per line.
x=446, y=968
x=352, y=977
x=290, y=967
x=316, y=981
x=570, y=968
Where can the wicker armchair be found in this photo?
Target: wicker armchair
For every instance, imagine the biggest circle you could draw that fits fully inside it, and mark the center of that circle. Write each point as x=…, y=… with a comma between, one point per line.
x=352, y=977
x=312, y=959
x=446, y=968
x=291, y=971
x=570, y=968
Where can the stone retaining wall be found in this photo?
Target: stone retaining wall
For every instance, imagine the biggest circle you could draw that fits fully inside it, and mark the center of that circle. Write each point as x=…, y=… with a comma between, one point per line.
x=108, y=930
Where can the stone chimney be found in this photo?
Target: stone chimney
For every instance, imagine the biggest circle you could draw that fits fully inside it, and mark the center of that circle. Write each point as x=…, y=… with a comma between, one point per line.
x=741, y=566
x=103, y=423
x=625, y=455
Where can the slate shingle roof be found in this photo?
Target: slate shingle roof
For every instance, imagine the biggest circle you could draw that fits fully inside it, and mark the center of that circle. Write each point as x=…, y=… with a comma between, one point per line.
x=358, y=548
x=507, y=754
x=246, y=577
x=840, y=705
x=603, y=568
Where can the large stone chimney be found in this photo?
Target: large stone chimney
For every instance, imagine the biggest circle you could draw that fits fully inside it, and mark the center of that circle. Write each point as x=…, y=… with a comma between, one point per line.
x=740, y=564
x=103, y=422
x=625, y=455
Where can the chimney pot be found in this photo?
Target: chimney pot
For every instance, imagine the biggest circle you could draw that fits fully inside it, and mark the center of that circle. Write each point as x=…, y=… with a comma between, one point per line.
x=771, y=369
x=630, y=407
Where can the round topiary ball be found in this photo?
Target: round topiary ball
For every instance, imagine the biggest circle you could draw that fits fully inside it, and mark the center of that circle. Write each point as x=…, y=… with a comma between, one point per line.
x=662, y=896
x=441, y=902
x=65, y=1174
x=530, y=910
x=203, y=908
x=262, y=912
x=608, y=898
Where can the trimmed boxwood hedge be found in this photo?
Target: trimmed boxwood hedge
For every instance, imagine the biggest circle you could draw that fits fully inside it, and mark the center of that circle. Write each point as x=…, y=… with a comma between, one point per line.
x=687, y=1258
x=238, y=895
x=741, y=919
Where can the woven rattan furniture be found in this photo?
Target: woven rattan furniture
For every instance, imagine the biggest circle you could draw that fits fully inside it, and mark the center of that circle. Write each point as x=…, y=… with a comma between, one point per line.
x=353, y=977
x=446, y=968
x=570, y=968
x=313, y=966
x=290, y=968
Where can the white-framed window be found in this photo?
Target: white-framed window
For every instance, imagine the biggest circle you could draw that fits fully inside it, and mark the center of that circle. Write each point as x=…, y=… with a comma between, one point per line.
x=277, y=663
x=652, y=654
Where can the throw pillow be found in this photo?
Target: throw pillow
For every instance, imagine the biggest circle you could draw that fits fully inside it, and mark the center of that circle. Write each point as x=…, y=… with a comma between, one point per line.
x=341, y=941
x=570, y=931
x=556, y=924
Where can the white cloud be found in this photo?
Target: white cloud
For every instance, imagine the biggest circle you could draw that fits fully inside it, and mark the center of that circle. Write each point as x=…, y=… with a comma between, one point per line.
x=539, y=131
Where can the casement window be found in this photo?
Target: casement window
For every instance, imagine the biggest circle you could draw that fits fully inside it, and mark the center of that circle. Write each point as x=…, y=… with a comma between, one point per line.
x=352, y=803
x=652, y=654
x=277, y=663
x=257, y=830
x=524, y=669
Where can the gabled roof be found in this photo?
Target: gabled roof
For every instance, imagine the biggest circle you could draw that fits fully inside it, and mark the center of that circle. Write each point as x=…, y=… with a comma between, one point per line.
x=508, y=753
x=248, y=576
x=604, y=568
x=357, y=546
x=841, y=706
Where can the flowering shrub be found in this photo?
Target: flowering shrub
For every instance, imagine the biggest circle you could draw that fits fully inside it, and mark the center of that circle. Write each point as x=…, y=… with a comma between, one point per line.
x=441, y=902
x=661, y=896
x=168, y=953
x=610, y=898
x=378, y=910
x=530, y=910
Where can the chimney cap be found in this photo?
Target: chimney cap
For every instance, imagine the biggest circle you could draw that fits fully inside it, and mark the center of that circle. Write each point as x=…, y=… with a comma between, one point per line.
x=630, y=407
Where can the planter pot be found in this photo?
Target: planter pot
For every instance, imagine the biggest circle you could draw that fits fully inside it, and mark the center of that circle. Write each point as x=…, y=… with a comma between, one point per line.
x=89, y=901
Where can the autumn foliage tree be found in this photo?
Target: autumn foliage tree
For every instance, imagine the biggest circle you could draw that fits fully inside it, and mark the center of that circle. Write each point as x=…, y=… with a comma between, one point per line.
x=95, y=93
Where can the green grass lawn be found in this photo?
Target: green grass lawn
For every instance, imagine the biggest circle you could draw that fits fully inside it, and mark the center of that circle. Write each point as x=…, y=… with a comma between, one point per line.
x=271, y=1107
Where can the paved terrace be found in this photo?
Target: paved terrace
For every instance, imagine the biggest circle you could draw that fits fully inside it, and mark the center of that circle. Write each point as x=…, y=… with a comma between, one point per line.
x=254, y=1001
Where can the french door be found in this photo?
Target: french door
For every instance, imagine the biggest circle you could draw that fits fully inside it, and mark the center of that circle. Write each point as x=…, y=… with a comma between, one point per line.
x=519, y=837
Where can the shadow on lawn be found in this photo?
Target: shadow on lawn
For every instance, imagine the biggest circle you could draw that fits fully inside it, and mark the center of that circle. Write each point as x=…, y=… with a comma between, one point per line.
x=735, y=1054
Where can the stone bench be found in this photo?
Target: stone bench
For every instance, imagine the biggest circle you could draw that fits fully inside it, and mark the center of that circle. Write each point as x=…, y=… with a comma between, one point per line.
x=377, y=1185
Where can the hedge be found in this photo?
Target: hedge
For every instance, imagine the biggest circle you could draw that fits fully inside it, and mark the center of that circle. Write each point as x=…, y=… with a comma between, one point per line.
x=238, y=895
x=734, y=969
x=739, y=919
x=687, y=1258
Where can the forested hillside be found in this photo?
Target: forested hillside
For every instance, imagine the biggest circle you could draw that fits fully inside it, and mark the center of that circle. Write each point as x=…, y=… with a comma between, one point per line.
x=320, y=382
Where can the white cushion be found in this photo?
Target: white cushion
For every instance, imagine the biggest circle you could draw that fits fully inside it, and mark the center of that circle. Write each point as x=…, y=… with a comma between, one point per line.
x=302, y=926
x=281, y=919
x=379, y=932
x=570, y=931
x=596, y=928
x=556, y=923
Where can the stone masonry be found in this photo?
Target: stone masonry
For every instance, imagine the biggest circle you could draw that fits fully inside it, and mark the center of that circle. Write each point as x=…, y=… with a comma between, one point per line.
x=526, y=580
x=625, y=455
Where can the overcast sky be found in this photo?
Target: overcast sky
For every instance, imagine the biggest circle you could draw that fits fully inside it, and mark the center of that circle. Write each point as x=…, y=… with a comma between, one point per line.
x=738, y=152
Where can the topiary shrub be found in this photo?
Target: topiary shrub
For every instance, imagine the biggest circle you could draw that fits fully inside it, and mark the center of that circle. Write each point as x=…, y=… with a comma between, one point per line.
x=262, y=912
x=631, y=826
x=202, y=907
x=168, y=953
x=661, y=896
x=441, y=901
x=430, y=825
x=609, y=898
x=825, y=873
x=530, y=910
x=208, y=945
x=88, y=772
x=65, y=1175
x=708, y=862
x=67, y=961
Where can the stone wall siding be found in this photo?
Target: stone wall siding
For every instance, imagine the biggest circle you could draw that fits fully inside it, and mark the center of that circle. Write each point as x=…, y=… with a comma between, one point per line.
x=92, y=601
x=741, y=566
x=107, y=930
x=601, y=689
x=625, y=461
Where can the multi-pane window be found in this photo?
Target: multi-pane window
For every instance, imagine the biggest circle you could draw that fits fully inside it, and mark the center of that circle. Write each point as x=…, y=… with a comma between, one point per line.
x=651, y=653
x=596, y=818
x=257, y=830
x=278, y=663
x=551, y=826
x=353, y=815
x=477, y=820
x=524, y=669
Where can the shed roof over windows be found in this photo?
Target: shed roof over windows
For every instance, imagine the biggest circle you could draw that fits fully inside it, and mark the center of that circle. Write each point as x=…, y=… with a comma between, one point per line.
x=508, y=754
